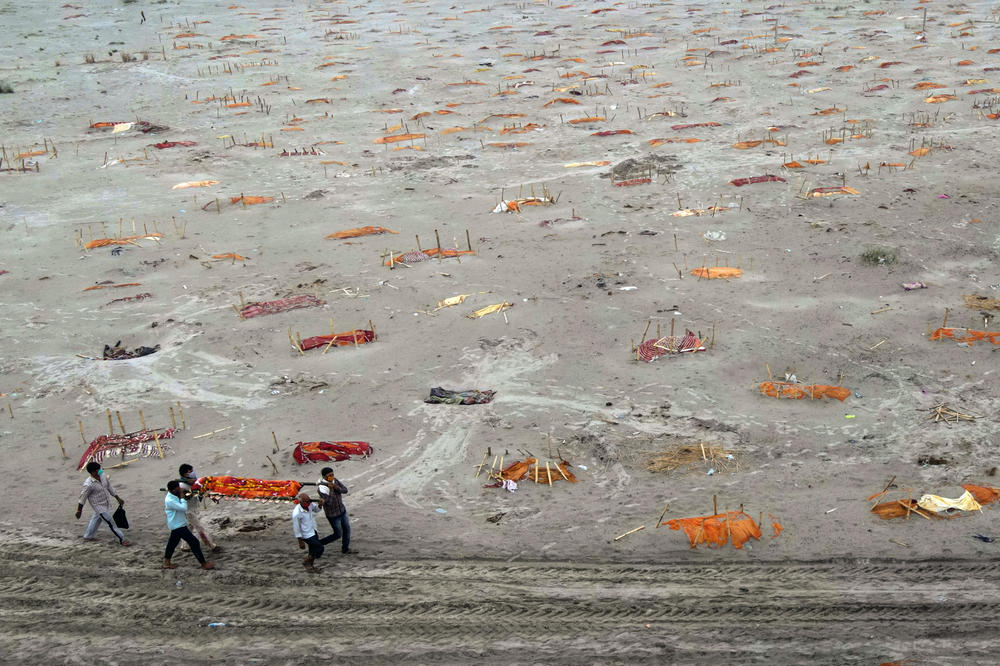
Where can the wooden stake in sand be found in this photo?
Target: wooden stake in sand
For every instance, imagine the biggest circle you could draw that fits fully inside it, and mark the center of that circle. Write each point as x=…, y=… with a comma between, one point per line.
x=272, y=465
x=479, y=469
x=61, y=447
x=641, y=527
x=142, y=420
x=884, y=491
x=173, y=421
x=120, y=422
x=82, y=436
x=275, y=438
x=11, y=410
x=548, y=473
x=660, y=519
x=159, y=449
x=181, y=412
x=294, y=343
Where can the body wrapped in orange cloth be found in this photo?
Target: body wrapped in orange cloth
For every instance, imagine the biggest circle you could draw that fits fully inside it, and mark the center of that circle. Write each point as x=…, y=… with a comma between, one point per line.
x=716, y=530
x=235, y=486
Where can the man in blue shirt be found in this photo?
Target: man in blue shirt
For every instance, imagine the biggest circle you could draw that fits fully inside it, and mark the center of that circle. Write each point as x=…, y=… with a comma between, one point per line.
x=175, y=504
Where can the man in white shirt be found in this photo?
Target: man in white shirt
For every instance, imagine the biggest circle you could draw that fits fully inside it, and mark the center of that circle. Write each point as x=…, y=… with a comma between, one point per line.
x=304, y=529
x=97, y=490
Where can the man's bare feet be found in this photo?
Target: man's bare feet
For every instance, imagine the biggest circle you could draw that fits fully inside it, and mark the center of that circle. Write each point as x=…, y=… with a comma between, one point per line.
x=208, y=565
x=126, y=542
x=89, y=540
x=168, y=565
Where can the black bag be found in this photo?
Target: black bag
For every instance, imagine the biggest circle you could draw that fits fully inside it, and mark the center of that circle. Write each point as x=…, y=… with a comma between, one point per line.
x=121, y=520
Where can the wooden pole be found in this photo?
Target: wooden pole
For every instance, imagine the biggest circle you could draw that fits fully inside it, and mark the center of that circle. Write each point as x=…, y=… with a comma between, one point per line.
x=438, y=239
x=548, y=472
x=715, y=506
x=272, y=465
x=120, y=422
x=294, y=344
x=159, y=448
x=82, y=436
x=479, y=470
x=641, y=527
x=173, y=421
x=660, y=519
x=180, y=411
x=61, y=447
x=111, y=428
x=142, y=420
x=275, y=438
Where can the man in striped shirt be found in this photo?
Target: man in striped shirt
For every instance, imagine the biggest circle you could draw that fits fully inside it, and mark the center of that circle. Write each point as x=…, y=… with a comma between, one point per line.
x=97, y=490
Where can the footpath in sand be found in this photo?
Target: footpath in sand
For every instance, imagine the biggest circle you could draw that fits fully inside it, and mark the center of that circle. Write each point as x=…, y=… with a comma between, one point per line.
x=732, y=268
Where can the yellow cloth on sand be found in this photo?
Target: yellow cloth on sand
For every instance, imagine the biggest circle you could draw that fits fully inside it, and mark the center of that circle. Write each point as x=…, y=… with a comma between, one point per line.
x=935, y=503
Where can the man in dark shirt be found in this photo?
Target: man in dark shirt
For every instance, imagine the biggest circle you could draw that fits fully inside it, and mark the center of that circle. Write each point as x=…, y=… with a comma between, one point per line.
x=330, y=491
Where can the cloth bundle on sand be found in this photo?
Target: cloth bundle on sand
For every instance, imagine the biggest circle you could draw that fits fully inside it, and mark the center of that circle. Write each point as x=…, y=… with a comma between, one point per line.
x=800, y=391
x=514, y=205
x=359, y=231
x=141, y=443
x=717, y=272
x=983, y=494
x=930, y=506
x=416, y=256
x=830, y=191
x=124, y=240
x=734, y=526
x=530, y=469
x=471, y=397
x=118, y=353
x=970, y=336
x=309, y=452
x=258, y=309
x=740, y=182
x=652, y=349
x=490, y=309
x=243, y=488
x=172, y=144
x=937, y=503
x=347, y=338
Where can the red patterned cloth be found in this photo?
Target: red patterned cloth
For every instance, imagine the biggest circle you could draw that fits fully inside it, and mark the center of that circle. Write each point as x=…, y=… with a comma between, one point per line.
x=307, y=452
x=650, y=350
x=345, y=339
x=140, y=443
x=280, y=305
x=235, y=486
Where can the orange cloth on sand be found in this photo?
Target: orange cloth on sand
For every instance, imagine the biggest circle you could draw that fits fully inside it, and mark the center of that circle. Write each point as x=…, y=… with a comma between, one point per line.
x=983, y=494
x=360, y=231
x=718, y=529
x=970, y=335
x=527, y=468
x=799, y=391
x=716, y=272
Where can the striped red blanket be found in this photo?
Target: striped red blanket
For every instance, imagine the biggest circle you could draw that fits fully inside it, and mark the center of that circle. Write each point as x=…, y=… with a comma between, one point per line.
x=650, y=350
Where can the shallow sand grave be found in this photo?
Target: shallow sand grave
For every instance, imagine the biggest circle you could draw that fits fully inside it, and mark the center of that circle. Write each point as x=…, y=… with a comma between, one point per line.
x=302, y=105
